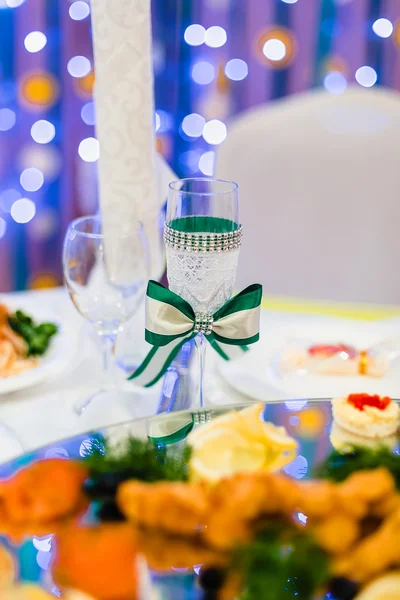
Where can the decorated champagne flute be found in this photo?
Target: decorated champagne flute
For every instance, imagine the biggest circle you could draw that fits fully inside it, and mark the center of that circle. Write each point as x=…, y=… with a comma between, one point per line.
x=202, y=238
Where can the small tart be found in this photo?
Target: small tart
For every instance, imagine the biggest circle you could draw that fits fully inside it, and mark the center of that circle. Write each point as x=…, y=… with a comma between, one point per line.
x=370, y=416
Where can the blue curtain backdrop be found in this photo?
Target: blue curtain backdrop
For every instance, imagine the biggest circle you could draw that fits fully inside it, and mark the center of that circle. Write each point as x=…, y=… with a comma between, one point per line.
x=212, y=59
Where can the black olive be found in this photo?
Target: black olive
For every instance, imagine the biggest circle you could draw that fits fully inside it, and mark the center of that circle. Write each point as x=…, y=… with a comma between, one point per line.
x=343, y=589
x=211, y=579
x=109, y=511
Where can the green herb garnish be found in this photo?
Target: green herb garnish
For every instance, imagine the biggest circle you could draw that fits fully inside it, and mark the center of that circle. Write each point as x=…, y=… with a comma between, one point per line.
x=138, y=459
x=338, y=465
x=281, y=563
x=36, y=336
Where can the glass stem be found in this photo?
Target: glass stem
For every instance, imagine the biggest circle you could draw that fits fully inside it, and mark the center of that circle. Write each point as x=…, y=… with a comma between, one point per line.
x=107, y=344
x=201, y=344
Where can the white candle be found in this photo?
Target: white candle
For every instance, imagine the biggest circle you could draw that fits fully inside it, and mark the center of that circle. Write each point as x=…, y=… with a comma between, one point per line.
x=125, y=127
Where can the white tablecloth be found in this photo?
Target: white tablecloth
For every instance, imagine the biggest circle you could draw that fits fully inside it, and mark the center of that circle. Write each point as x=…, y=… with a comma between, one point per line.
x=44, y=414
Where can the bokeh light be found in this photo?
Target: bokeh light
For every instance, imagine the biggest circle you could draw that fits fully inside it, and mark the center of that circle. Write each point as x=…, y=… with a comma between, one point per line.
x=206, y=163
x=366, y=76
x=335, y=83
x=47, y=158
x=195, y=35
x=79, y=10
x=289, y=1
x=89, y=149
x=274, y=49
x=3, y=227
x=23, y=210
x=236, y=69
x=35, y=41
x=79, y=66
x=164, y=121
x=298, y=468
x=43, y=131
x=31, y=179
x=193, y=125
x=38, y=89
x=203, y=72
x=84, y=85
x=383, y=28
x=157, y=121
x=214, y=132
x=190, y=160
x=14, y=3
x=88, y=113
x=44, y=225
x=7, y=119
x=215, y=36
x=8, y=197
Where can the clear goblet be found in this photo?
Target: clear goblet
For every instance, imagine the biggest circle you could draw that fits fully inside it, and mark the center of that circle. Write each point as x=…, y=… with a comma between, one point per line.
x=106, y=284
x=202, y=236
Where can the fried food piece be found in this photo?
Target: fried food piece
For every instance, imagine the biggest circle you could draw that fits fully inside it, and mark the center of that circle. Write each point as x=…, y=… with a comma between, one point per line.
x=374, y=554
x=364, y=488
x=42, y=493
x=99, y=561
x=8, y=570
x=18, y=343
x=163, y=552
x=318, y=498
x=178, y=508
x=238, y=503
x=337, y=533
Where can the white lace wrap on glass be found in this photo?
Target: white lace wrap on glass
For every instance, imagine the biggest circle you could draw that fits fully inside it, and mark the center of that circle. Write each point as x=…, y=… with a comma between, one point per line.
x=204, y=279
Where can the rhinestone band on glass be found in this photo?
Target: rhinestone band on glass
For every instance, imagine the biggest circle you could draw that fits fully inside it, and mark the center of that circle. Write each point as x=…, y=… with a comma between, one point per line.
x=197, y=242
x=203, y=323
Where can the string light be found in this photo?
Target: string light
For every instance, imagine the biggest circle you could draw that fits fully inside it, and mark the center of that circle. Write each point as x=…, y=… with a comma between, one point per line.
x=274, y=49
x=193, y=125
x=195, y=35
x=88, y=113
x=206, y=163
x=215, y=36
x=14, y=3
x=236, y=69
x=43, y=131
x=203, y=72
x=214, y=132
x=23, y=210
x=7, y=119
x=31, y=179
x=89, y=149
x=3, y=227
x=335, y=83
x=79, y=66
x=383, y=28
x=79, y=10
x=366, y=76
x=35, y=41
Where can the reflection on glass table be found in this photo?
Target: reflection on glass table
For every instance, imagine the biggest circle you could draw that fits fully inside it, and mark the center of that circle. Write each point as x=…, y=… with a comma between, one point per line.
x=308, y=422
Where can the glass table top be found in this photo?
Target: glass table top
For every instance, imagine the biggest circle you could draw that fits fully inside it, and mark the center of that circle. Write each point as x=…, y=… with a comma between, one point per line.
x=308, y=421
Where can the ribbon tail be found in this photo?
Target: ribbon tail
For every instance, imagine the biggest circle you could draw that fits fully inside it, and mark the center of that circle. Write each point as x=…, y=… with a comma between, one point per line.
x=157, y=362
x=227, y=351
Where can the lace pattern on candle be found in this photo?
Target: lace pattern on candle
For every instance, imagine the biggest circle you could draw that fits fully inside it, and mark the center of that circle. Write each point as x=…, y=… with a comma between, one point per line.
x=205, y=280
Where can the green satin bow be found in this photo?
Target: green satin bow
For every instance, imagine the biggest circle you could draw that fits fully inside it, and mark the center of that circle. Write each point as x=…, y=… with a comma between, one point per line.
x=171, y=321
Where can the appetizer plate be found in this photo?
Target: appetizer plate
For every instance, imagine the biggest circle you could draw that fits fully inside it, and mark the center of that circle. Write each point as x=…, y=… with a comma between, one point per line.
x=60, y=355
x=257, y=374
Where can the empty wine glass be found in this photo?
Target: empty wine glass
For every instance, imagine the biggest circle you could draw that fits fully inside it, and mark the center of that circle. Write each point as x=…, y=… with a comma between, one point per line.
x=106, y=283
x=202, y=236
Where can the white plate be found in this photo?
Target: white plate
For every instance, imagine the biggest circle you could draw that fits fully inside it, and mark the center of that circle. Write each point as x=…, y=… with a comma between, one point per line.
x=254, y=375
x=61, y=354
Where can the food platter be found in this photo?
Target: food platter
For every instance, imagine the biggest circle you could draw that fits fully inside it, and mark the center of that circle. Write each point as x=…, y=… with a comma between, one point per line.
x=59, y=354
x=308, y=422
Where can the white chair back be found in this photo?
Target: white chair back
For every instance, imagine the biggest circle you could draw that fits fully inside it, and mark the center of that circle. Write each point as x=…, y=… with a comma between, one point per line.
x=319, y=183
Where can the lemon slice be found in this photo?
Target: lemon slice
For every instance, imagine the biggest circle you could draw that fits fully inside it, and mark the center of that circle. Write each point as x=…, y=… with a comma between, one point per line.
x=230, y=420
x=386, y=587
x=222, y=453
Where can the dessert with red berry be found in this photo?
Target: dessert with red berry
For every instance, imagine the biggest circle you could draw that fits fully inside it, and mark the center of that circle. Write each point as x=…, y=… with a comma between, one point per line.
x=368, y=415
